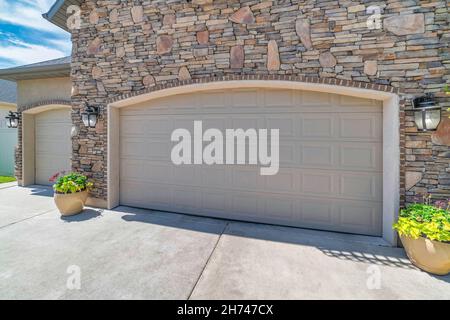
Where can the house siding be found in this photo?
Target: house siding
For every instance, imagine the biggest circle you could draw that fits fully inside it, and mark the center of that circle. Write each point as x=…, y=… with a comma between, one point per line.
x=34, y=91
x=120, y=51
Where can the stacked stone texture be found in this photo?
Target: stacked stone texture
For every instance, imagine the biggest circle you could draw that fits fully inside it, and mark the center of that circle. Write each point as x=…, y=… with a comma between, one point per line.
x=135, y=45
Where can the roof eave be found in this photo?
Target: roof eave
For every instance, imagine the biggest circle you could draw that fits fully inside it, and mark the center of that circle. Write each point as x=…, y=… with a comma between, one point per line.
x=39, y=72
x=57, y=14
x=4, y=104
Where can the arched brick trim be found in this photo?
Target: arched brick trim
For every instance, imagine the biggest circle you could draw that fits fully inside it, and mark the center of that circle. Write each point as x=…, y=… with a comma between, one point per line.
x=304, y=79
x=44, y=103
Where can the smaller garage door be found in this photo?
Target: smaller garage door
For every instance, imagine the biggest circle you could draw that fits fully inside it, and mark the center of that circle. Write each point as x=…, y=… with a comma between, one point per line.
x=53, y=144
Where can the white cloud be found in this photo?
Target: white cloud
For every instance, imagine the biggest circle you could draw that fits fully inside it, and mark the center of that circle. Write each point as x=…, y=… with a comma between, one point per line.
x=25, y=53
x=28, y=13
x=61, y=44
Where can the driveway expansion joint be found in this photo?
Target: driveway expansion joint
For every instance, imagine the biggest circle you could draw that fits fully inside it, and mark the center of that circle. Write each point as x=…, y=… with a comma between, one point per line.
x=29, y=218
x=208, y=260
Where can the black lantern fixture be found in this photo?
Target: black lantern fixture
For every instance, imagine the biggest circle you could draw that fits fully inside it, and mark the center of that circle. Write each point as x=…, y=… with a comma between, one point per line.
x=427, y=114
x=12, y=120
x=90, y=116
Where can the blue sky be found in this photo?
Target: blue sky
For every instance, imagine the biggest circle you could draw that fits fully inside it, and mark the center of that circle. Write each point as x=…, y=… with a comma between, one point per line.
x=26, y=37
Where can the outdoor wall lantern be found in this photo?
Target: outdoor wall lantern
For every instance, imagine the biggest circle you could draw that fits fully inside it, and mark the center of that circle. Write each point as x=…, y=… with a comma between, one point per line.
x=12, y=120
x=427, y=114
x=90, y=116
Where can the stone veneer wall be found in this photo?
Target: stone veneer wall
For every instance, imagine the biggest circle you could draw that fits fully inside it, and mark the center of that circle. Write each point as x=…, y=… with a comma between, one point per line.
x=121, y=49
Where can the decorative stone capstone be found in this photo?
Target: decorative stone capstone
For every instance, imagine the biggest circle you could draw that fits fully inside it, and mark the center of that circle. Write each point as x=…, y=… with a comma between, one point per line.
x=114, y=16
x=100, y=87
x=200, y=52
x=244, y=16
x=97, y=72
x=164, y=44
x=93, y=17
x=273, y=56
x=184, y=74
x=442, y=135
x=98, y=166
x=371, y=67
x=137, y=13
x=303, y=29
x=412, y=178
x=120, y=52
x=169, y=20
x=94, y=47
x=203, y=37
x=357, y=8
x=74, y=91
x=202, y=2
x=327, y=60
x=148, y=81
x=237, y=57
x=405, y=24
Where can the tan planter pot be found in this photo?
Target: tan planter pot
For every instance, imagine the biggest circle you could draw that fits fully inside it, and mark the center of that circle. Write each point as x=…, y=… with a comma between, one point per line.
x=430, y=256
x=72, y=203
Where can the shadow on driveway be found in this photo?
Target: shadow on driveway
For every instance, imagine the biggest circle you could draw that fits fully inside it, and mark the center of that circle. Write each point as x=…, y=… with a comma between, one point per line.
x=87, y=214
x=42, y=191
x=173, y=220
x=356, y=248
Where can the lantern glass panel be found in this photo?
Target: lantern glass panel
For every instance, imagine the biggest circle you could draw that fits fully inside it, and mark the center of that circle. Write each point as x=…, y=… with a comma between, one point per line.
x=13, y=122
x=92, y=120
x=427, y=119
x=85, y=118
x=432, y=119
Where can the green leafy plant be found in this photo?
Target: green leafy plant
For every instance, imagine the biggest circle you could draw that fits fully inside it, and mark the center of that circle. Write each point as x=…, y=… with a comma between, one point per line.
x=425, y=220
x=70, y=183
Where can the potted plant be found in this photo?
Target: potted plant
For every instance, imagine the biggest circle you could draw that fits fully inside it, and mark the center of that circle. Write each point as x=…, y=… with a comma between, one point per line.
x=71, y=192
x=424, y=230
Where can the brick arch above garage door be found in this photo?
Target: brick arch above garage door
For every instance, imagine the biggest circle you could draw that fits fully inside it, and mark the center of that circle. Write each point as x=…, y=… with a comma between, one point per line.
x=44, y=103
x=336, y=83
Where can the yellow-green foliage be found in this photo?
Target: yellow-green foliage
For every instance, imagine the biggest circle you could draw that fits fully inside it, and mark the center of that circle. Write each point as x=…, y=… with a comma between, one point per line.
x=423, y=220
x=72, y=183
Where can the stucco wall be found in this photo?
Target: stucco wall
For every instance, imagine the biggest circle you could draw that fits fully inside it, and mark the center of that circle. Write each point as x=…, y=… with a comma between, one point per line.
x=37, y=90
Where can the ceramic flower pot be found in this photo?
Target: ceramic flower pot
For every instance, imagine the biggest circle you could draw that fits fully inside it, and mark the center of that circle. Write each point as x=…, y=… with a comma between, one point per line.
x=430, y=256
x=72, y=203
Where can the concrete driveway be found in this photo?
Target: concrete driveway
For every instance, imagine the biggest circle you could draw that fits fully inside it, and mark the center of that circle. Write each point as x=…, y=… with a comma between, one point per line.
x=141, y=254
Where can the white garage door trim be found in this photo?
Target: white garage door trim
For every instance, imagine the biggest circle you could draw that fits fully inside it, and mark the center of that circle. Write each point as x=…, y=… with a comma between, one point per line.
x=391, y=136
x=29, y=141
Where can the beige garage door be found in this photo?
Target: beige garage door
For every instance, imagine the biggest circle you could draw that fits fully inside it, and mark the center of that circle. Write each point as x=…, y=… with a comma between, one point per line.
x=330, y=175
x=53, y=144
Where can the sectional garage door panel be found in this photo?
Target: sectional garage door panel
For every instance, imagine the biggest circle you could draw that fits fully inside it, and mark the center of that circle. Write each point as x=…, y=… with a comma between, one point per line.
x=53, y=144
x=330, y=173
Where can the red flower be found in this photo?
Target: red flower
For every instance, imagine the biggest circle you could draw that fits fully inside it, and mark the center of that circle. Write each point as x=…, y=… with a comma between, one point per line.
x=55, y=176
